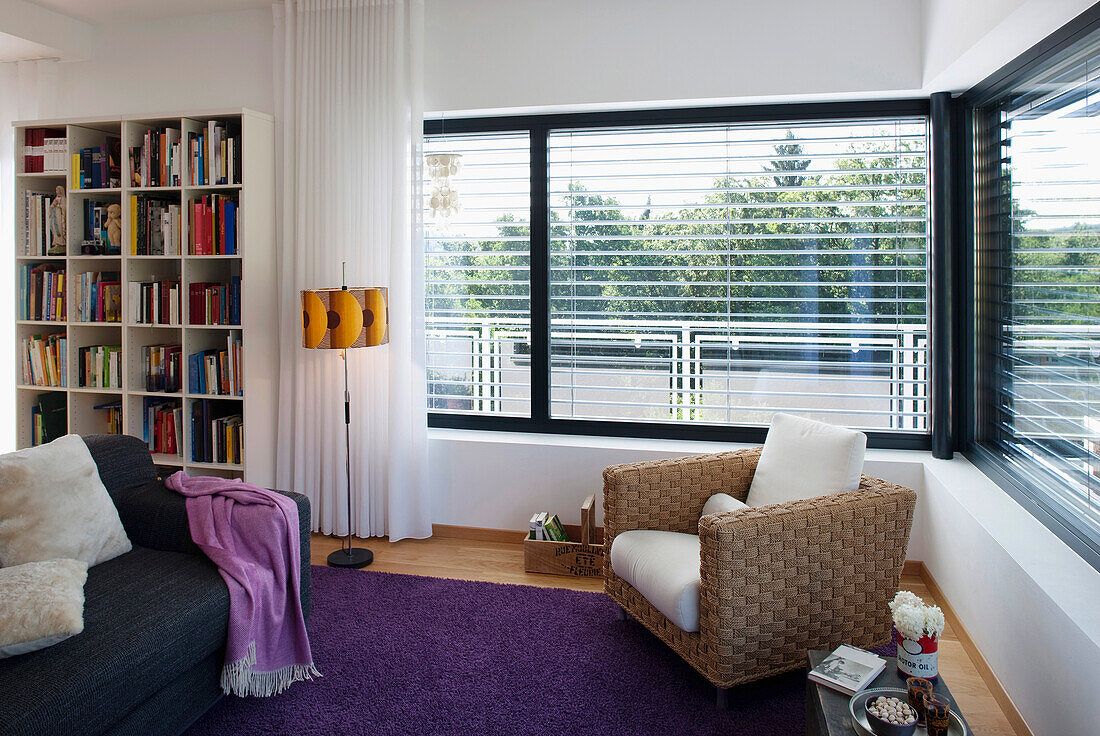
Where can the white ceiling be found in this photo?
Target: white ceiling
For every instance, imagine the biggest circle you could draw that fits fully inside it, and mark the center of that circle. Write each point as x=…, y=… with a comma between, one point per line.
x=14, y=48
x=99, y=12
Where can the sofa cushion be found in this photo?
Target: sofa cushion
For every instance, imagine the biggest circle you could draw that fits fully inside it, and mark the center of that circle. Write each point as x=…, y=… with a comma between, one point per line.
x=804, y=459
x=663, y=567
x=41, y=604
x=53, y=505
x=148, y=617
x=721, y=502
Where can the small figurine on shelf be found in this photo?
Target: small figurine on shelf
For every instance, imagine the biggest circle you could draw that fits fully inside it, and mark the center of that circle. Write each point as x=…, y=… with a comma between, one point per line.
x=58, y=234
x=114, y=229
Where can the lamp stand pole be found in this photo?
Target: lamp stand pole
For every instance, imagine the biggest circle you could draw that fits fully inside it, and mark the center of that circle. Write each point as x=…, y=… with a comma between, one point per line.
x=349, y=556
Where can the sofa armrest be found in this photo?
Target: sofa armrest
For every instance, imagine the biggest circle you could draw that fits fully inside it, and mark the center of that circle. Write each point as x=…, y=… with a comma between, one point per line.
x=122, y=461
x=809, y=574
x=156, y=517
x=668, y=495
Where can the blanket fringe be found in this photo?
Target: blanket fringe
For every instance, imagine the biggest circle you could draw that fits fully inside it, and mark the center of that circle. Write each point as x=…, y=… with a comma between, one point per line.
x=239, y=679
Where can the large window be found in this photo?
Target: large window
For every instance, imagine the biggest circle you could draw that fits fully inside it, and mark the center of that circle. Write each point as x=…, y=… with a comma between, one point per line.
x=1037, y=225
x=686, y=274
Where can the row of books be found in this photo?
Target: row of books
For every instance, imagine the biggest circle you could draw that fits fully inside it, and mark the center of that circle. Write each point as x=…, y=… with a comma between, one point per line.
x=100, y=366
x=547, y=527
x=45, y=150
x=99, y=297
x=154, y=226
x=155, y=302
x=157, y=162
x=41, y=224
x=96, y=241
x=49, y=417
x=113, y=418
x=215, y=155
x=162, y=367
x=43, y=292
x=215, y=303
x=98, y=167
x=212, y=224
x=217, y=433
x=162, y=426
x=216, y=372
x=44, y=360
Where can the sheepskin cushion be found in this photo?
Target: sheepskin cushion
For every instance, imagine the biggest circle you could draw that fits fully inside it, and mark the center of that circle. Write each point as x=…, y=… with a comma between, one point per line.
x=41, y=603
x=53, y=505
x=805, y=459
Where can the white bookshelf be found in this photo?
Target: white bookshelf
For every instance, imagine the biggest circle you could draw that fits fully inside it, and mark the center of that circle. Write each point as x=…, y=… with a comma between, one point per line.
x=254, y=262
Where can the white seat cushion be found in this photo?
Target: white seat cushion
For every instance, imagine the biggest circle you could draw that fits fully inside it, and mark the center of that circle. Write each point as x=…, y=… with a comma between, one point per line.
x=663, y=567
x=803, y=459
x=720, y=502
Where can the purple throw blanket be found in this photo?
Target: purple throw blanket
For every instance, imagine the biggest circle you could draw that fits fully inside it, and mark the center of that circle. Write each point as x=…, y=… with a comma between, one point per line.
x=251, y=534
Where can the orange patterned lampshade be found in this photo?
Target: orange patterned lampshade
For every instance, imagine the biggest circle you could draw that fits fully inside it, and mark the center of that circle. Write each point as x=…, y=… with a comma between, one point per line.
x=345, y=318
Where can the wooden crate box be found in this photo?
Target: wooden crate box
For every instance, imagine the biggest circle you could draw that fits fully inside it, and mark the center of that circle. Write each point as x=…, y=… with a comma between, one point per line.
x=582, y=558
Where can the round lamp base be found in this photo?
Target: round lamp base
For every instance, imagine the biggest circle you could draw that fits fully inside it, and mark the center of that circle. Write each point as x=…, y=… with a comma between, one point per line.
x=356, y=558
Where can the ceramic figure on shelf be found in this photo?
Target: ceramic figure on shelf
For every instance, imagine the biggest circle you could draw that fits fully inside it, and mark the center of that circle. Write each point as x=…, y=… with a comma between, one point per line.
x=114, y=229
x=57, y=224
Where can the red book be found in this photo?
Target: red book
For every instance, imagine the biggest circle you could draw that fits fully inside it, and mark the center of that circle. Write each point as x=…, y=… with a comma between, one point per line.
x=208, y=226
x=221, y=225
x=195, y=297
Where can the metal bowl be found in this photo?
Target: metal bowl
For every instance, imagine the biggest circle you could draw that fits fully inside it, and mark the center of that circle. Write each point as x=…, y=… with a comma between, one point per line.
x=881, y=727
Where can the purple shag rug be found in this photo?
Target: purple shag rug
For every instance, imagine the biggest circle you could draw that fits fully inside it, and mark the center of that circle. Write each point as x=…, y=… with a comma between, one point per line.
x=404, y=654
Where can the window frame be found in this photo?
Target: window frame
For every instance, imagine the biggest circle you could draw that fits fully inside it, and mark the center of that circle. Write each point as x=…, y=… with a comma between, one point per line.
x=974, y=325
x=538, y=128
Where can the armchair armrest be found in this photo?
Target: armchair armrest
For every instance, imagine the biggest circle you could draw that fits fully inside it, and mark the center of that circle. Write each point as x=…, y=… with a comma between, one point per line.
x=668, y=495
x=156, y=517
x=810, y=574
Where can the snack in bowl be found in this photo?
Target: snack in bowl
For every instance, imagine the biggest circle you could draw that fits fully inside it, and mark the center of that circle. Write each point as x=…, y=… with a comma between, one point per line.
x=888, y=716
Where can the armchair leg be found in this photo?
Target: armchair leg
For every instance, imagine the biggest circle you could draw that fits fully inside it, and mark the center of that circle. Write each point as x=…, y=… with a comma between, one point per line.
x=723, y=699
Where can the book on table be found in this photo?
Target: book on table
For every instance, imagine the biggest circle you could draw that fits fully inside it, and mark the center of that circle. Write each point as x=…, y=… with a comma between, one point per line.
x=848, y=669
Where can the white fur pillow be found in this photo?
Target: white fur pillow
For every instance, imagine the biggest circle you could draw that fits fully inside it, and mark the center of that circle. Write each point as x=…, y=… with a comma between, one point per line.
x=53, y=505
x=41, y=603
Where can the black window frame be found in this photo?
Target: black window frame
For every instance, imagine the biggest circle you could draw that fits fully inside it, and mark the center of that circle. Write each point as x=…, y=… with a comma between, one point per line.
x=975, y=327
x=538, y=127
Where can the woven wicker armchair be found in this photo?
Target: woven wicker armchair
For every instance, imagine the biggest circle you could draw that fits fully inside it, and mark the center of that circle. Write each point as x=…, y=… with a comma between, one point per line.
x=775, y=580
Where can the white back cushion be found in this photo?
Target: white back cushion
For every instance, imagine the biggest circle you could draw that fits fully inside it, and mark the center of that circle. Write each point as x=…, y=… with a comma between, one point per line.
x=803, y=459
x=663, y=567
x=53, y=505
x=720, y=502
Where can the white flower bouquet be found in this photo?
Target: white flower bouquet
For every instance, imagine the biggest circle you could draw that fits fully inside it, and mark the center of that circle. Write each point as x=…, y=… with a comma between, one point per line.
x=913, y=619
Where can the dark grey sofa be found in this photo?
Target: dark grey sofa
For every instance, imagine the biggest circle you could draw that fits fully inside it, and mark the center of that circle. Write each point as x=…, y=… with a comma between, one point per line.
x=150, y=657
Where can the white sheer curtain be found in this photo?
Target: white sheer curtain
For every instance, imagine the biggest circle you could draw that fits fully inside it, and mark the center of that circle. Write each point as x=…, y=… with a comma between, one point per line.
x=28, y=91
x=348, y=150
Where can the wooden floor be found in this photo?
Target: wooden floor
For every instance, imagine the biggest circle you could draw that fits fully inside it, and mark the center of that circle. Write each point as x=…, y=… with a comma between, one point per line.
x=502, y=562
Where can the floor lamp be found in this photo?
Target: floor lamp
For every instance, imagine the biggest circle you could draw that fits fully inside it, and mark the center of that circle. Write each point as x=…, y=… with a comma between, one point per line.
x=339, y=319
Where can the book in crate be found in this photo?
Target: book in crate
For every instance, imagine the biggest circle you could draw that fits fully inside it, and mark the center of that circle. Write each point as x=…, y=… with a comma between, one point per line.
x=45, y=150
x=213, y=224
x=157, y=162
x=217, y=432
x=214, y=154
x=155, y=224
x=162, y=426
x=213, y=303
x=100, y=366
x=161, y=365
x=44, y=360
x=43, y=292
x=155, y=302
x=98, y=167
x=216, y=371
x=99, y=297
x=40, y=222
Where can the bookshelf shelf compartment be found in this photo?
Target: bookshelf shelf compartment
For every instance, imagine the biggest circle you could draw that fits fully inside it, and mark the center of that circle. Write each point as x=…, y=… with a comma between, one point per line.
x=252, y=279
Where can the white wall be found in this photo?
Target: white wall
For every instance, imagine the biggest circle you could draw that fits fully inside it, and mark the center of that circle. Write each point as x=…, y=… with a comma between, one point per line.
x=519, y=53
